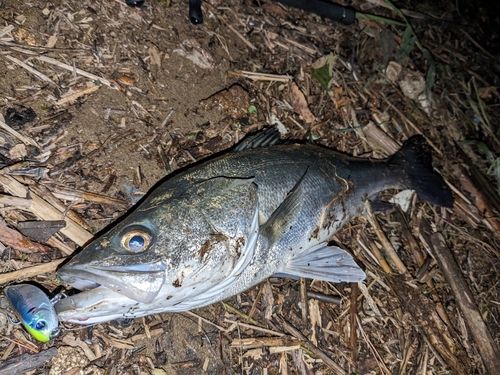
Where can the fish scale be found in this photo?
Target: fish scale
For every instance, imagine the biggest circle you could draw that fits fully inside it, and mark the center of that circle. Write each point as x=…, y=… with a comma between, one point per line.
x=224, y=225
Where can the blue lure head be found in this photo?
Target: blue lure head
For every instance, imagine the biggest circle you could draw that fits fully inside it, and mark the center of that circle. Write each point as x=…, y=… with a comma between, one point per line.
x=34, y=309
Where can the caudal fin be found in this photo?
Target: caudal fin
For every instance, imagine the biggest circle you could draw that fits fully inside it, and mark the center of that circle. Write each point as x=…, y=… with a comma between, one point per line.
x=415, y=159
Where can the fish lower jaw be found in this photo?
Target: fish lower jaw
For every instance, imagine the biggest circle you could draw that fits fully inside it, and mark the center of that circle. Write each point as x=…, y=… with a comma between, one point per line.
x=138, y=286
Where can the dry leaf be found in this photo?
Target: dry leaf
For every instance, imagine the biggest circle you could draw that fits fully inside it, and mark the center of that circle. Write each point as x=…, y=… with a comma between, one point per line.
x=23, y=36
x=393, y=71
x=412, y=84
x=486, y=92
x=193, y=51
x=126, y=80
x=299, y=103
x=275, y=10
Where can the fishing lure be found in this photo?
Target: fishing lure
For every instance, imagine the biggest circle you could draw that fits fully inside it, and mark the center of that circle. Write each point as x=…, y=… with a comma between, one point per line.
x=34, y=309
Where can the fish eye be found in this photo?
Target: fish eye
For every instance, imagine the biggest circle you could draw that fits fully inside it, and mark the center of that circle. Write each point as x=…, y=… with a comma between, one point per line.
x=40, y=325
x=136, y=241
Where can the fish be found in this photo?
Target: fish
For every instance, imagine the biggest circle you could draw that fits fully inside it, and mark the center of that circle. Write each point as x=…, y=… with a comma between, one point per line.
x=226, y=224
x=34, y=309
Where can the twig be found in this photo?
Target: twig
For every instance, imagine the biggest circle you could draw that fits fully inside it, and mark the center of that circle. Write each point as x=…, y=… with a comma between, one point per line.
x=303, y=300
x=206, y=321
x=385, y=241
x=28, y=272
x=260, y=76
x=411, y=124
x=311, y=347
x=453, y=275
x=238, y=312
x=259, y=342
x=76, y=95
x=40, y=75
x=352, y=324
x=93, y=77
x=26, y=140
x=75, y=195
x=257, y=328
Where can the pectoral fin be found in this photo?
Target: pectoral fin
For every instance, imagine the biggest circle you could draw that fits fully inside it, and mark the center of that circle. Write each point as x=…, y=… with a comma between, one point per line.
x=327, y=263
x=286, y=214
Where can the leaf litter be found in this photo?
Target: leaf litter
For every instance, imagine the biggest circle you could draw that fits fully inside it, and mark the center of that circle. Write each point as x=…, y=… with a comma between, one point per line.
x=123, y=96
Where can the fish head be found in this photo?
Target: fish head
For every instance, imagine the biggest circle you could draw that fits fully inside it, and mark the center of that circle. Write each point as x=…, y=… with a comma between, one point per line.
x=169, y=251
x=34, y=309
x=125, y=259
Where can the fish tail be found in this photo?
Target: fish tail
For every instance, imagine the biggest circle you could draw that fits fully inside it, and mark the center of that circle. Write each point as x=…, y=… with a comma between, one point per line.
x=415, y=158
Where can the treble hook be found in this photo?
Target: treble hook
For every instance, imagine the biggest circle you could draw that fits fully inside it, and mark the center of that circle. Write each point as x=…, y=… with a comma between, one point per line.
x=15, y=323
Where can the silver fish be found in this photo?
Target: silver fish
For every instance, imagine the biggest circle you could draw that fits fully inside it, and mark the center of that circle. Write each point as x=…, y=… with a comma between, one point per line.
x=227, y=224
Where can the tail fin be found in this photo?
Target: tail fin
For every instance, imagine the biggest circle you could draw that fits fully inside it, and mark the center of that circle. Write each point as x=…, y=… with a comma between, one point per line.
x=415, y=159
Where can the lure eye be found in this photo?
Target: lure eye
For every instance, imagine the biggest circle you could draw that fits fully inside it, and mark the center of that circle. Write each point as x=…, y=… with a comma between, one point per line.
x=136, y=241
x=40, y=325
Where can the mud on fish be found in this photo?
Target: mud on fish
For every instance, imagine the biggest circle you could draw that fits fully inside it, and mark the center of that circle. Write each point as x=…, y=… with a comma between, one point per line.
x=224, y=225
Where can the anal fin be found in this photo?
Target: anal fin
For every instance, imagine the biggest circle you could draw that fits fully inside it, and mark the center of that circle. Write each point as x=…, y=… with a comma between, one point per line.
x=327, y=263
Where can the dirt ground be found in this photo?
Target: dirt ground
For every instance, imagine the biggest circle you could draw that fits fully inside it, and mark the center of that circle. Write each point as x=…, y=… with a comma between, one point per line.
x=154, y=93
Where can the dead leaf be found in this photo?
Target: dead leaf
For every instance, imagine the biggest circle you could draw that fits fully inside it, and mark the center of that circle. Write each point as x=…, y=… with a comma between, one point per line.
x=275, y=10
x=23, y=36
x=299, y=103
x=393, y=71
x=486, y=92
x=412, y=84
x=193, y=51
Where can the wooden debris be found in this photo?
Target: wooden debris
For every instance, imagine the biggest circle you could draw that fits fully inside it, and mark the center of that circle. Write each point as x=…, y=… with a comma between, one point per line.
x=261, y=76
x=46, y=211
x=32, y=271
x=40, y=75
x=16, y=240
x=81, y=196
x=81, y=72
x=71, y=340
x=26, y=140
x=388, y=248
x=422, y=311
x=353, y=338
x=310, y=346
x=73, y=96
x=27, y=362
x=453, y=275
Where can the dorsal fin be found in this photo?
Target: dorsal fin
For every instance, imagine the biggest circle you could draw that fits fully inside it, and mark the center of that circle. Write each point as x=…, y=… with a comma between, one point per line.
x=267, y=137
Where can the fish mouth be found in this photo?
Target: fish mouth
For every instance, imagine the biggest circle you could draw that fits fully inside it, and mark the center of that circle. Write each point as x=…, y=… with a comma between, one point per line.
x=139, y=283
